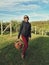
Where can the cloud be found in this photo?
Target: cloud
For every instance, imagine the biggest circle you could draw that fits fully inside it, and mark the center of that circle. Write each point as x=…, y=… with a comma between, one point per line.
x=16, y=9
x=16, y=5
x=33, y=16
x=45, y=1
x=28, y=7
x=9, y=2
x=39, y=16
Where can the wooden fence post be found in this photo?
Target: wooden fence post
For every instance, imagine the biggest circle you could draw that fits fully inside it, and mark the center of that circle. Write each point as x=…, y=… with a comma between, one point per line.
x=45, y=33
x=42, y=33
x=1, y=28
x=35, y=29
x=10, y=29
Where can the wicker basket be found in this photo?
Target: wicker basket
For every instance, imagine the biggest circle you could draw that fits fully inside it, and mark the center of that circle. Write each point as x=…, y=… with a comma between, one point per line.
x=18, y=44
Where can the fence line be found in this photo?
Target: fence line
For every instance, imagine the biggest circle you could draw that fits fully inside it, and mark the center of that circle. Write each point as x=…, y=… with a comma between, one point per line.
x=9, y=26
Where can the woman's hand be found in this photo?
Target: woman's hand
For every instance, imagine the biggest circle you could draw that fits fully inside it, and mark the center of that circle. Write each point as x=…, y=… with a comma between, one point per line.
x=19, y=38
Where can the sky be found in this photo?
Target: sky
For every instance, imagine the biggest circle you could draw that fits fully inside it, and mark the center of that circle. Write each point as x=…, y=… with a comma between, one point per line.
x=37, y=10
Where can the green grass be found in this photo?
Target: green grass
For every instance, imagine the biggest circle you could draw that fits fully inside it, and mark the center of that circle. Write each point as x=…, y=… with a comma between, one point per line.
x=37, y=52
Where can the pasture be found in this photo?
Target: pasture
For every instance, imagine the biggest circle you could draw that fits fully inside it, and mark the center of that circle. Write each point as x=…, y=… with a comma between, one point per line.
x=37, y=52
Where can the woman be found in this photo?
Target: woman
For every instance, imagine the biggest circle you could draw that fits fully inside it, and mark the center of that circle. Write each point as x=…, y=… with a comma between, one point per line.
x=25, y=33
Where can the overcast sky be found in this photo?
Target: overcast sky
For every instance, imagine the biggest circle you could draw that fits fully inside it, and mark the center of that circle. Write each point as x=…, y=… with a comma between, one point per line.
x=16, y=9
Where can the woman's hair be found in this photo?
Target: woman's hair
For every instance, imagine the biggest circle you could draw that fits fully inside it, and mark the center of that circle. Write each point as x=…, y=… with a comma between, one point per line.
x=26, y=17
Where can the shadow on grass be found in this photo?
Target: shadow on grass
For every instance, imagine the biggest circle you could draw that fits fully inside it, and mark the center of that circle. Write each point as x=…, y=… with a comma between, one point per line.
x=37, y=53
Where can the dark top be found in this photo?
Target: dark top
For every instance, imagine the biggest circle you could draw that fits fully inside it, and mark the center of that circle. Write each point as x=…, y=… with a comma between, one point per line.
x=25, y=29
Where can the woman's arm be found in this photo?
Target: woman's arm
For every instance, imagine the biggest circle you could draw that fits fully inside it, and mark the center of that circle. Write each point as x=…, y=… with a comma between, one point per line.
x=21, y=26
x=30, y=31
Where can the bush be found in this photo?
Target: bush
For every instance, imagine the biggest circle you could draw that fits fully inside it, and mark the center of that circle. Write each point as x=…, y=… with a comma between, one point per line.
x=47, y=33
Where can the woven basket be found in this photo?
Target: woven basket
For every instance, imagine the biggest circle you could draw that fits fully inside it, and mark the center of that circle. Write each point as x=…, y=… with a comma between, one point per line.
x=18, y=44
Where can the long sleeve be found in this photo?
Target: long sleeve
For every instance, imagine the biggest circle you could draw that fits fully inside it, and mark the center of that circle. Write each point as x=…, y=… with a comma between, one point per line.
x=21, y=26
x=30, y=31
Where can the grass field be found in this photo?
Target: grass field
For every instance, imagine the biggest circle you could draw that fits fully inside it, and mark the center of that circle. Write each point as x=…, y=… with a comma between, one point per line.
x=37, y=53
